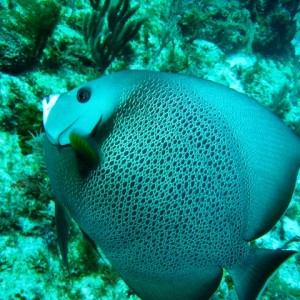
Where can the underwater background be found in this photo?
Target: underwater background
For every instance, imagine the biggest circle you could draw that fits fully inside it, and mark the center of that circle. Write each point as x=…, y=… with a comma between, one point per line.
x=51, y=46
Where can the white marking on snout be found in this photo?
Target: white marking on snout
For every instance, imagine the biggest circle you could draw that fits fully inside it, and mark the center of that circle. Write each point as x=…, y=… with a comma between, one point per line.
x=48, y=103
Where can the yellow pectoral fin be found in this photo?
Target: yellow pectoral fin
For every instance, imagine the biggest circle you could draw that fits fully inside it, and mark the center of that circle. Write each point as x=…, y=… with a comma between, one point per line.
x=85, y=150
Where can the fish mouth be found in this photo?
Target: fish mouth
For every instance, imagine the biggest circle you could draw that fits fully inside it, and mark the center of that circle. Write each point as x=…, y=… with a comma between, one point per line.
x=59, y=138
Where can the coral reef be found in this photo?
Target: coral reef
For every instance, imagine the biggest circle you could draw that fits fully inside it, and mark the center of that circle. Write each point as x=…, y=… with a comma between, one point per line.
x=275, y=24
x=25, y=27
x=242, y=44
x=20, y=110
x=107, y=30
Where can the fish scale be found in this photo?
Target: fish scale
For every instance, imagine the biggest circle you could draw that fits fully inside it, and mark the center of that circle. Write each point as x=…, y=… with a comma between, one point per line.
x=185, y=179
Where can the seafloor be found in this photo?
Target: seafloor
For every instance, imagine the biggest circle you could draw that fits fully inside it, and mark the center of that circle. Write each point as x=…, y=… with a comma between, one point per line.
x=250, y=46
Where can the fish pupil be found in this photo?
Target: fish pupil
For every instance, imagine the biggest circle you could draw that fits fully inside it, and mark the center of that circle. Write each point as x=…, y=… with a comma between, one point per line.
x=83, y=95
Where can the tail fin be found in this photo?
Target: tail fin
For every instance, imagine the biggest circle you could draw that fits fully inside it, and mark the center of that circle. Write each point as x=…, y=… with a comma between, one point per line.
x=251, y=275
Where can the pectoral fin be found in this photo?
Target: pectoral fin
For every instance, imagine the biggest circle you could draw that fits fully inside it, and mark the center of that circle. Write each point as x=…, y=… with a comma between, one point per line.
x=85, y=149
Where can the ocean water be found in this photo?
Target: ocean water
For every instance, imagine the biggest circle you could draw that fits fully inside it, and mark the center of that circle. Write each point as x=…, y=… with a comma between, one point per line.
x=48, y=47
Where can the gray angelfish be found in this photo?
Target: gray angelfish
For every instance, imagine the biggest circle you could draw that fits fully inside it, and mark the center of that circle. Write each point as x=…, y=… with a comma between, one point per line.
x=172, y=177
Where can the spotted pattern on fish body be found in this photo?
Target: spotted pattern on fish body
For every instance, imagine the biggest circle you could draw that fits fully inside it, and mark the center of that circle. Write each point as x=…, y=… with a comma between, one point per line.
x=189, y=173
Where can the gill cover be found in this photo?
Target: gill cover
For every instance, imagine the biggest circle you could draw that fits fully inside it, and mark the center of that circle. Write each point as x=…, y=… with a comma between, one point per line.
x=78, y=111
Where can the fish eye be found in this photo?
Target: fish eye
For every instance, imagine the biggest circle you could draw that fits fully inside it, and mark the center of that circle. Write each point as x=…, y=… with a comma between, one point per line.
x=83, y=95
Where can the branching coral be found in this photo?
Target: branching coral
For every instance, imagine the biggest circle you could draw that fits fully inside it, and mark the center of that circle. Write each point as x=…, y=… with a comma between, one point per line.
x=24, y=31
x=108, y=29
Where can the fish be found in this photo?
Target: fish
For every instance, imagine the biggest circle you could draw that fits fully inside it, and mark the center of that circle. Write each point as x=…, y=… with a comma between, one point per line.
x=172, y=177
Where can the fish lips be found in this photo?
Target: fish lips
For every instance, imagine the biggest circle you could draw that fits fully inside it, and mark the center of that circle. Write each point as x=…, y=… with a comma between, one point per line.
x=69, y=130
